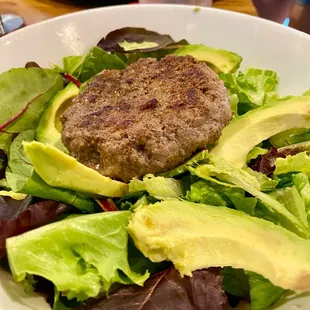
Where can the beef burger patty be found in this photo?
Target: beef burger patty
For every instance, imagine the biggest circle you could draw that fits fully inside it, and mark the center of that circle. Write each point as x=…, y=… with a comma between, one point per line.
x=147, y=118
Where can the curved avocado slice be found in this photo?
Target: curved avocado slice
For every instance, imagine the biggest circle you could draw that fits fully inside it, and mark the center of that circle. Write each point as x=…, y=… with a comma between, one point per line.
x=61, y=170
x=247, y=131
x=219, y=60
x=196, y=236
x=49, y=128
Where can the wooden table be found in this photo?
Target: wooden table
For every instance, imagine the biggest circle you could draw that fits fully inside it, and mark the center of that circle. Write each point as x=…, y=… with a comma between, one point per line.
x=37, y=10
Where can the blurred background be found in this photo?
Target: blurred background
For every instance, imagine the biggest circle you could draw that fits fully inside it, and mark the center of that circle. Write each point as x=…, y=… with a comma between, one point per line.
x=288, y=12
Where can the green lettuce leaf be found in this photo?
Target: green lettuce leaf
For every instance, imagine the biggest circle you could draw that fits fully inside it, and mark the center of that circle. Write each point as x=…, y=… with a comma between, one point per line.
x=251, y=287
x=82, y=256
x=158, y=187
x=255, y=153
x=22, y=178
x=298, y=138
x=24, y=94
x=59, y=304
x=72, y=65
x=307, y=93
x=293, y=202
x=294, y=149
x=266, y=184
x=5, y=141
x=203, y=192
x=298, y=163
x=36, y=187
x=291, y=136
x=192, y=162
x=217, y=195
x=262, y=292
x=232, y=176
x=252, y=86
x=3, y=183
x=302, y=184
x=236, y=282
x=233, y=101
x=96, y=61
x=85, y=67
x=19, y=164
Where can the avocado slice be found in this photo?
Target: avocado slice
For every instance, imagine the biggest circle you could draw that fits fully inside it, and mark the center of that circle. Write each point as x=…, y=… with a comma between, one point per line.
x=49, y=128
x=219, y=60
x=196, y=236
x=247, y=131
x=61, y=170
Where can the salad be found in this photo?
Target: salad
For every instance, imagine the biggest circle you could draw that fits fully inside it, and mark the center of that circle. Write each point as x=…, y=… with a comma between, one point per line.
x=227, y=226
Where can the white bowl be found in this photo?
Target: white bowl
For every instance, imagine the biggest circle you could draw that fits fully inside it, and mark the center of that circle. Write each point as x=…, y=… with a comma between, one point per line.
x=261, y=43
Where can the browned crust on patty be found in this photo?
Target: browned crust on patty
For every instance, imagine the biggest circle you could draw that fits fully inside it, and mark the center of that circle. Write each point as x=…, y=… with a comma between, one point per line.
x=148, y=118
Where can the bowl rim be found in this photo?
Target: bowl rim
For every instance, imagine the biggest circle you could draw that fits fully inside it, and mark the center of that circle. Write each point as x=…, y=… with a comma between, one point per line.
x=137, y=7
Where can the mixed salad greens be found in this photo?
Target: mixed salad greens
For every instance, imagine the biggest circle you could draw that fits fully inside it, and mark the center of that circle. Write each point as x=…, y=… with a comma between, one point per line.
x=229, y=225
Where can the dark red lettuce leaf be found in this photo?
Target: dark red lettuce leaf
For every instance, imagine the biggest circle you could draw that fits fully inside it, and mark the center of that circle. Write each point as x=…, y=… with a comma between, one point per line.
x=294, y=149
x=265, y=163
x=31, y=64
x=3, y=163
x=130, y=34
x=11, y=208
x=28, y=218
x=167, y=290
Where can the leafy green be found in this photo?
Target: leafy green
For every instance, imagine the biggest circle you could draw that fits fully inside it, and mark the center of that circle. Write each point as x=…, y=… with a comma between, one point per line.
x=19, y=163
x=22, y=178
x=36, y=187
x=299, y=162
x=285, y=180
x=132, y=39
x=5, y=141
x=232, y=176
x=294, y=149
x=3, y=183
x=96, y=61
x=203, y=192
x=302, y=184
x=241, y=202
x=129, y=200
x=24, y=94
x=141, y=264
x=73, y=64
x=59, y=304
x=291, y=136
x=159, y=187
x=262, y=292
x=255, y=153
x=195, y=160
x=236, y=282
x=233, y=101
x=293, y=202
x=251, y=87
x=298, y=138
x=307, y=93
x=218, y=195
x=266, y=184
x=3, y=163
x=84, y=68
x=82, y=256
